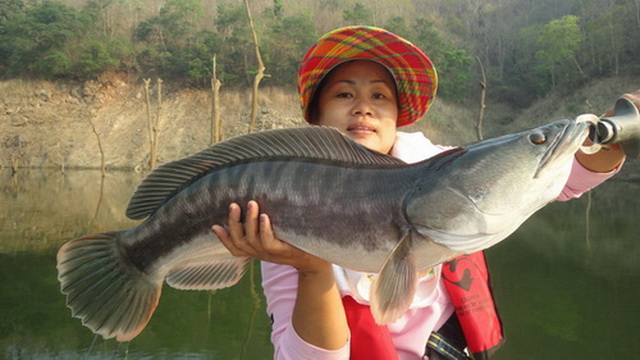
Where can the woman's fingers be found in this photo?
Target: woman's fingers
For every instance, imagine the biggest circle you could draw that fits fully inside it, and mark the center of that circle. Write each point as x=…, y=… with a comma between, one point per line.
x=251, y=225
x=242, y=239
x=225, y=238
x=255, y=237
x=233, y=238
x=235, y=226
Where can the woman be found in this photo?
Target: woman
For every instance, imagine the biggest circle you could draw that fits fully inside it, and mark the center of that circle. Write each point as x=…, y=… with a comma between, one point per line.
x=366, y=82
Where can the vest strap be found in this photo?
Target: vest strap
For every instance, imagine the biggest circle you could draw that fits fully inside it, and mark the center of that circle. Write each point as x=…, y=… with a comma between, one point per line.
x=444, y=349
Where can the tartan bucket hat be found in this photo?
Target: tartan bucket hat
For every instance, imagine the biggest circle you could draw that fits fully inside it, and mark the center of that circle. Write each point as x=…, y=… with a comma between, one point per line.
x=414, y=73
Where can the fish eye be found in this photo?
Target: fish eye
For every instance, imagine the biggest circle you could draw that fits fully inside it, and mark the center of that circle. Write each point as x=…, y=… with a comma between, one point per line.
x=537, y=138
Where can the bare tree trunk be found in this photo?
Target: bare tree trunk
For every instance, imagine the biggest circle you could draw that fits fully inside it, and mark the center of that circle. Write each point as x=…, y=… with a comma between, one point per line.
x=575, y=61
x=149, y=123
x=154, y=127
x=259, y=75
x=483, y=96
x=615, y=47
x=102, y=156
x=216, y=125
x=15, y=163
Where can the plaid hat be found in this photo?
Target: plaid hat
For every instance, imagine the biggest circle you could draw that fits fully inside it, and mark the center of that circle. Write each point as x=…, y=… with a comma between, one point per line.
x=415, y=75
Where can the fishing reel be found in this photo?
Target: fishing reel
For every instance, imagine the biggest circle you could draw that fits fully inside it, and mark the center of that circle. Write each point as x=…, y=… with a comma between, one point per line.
x=623, y=128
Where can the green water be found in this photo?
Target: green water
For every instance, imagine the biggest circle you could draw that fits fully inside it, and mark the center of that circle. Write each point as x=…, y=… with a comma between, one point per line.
x=567, y=284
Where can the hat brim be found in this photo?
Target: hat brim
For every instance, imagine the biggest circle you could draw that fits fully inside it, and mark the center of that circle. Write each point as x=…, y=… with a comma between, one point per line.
x=414, y=73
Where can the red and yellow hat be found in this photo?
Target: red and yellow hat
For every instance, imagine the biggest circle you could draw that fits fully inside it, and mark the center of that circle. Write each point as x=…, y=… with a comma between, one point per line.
x=414, y=73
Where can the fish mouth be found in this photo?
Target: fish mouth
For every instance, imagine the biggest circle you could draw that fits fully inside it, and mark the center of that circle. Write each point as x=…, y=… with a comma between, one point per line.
x=565, y=142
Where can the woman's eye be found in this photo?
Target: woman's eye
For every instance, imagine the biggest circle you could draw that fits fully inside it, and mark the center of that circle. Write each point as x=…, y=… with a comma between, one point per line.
x=537, y=138
x=344, y=95
x=378, y=96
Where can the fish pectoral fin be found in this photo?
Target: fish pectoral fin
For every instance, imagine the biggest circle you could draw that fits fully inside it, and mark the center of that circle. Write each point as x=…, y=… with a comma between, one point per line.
x=395, y=287
x=205, y=274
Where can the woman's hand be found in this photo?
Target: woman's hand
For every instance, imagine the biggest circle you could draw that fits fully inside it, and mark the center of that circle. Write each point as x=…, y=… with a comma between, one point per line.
x=255, y=238
x=610, y=156
x=318, y=315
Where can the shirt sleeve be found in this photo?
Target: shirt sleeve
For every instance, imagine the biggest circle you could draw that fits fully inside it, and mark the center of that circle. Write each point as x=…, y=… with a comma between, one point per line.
x=280, y=284
x=582, y=180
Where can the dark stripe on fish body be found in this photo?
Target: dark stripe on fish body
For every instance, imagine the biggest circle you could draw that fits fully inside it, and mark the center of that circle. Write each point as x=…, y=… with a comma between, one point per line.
x=320, y=199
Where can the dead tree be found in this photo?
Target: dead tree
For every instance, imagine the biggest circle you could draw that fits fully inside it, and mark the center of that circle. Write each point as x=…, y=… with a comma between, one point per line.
x=100, y=148
x=154, y=126
x=483, y=96
x=15, y=162
x=259, y=75
x=216, y=124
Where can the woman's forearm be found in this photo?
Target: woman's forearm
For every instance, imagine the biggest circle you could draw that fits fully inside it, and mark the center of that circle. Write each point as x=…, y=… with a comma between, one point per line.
x=318, y=315
x=605, y=160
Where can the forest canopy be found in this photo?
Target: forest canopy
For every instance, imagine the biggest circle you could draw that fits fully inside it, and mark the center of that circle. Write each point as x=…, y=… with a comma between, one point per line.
x=527, y=48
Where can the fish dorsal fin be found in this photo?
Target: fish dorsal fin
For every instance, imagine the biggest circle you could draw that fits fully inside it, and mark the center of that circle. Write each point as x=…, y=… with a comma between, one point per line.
x=314, y=142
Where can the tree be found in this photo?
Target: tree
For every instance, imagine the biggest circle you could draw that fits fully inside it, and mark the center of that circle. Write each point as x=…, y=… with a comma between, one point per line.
x=235, y=43
x=40, y=39
x=557, y=44
x=259, y=74
x=282, y=52
x=9, y=9
x=452, y=64
x=359, y=15
x=167, y=38
x=398, y=25
x=278, y=9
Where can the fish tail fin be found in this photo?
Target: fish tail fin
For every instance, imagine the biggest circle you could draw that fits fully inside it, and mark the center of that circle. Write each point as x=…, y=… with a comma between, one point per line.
x=109, y=295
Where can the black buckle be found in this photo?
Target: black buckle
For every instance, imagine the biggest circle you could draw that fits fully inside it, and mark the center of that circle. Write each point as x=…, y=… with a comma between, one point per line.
x=439, y=348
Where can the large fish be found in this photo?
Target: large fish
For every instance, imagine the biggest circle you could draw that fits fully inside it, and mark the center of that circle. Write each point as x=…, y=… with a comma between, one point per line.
x=325, y=194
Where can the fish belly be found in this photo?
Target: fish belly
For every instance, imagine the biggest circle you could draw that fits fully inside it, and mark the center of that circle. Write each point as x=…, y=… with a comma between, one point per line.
x=348, y=216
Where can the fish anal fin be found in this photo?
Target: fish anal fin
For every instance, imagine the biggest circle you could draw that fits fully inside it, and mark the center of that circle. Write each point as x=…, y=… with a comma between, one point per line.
x=205, y=274
x=395, y=287
x=103, y=290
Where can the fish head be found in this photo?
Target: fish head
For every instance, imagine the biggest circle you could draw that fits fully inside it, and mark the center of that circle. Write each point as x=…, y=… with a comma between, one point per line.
x=474, y=197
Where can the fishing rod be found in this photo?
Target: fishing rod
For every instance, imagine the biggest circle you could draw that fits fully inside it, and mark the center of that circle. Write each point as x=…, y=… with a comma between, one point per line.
x=623, y=128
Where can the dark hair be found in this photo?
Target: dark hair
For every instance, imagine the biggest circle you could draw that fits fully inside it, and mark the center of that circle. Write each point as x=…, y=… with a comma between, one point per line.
x=314, y=105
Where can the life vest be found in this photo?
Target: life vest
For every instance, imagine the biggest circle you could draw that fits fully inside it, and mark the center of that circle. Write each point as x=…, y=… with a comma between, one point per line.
x=466, y=279
x=369, y=341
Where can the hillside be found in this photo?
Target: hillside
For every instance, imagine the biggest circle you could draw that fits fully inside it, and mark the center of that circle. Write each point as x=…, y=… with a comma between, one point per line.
x=49, y=125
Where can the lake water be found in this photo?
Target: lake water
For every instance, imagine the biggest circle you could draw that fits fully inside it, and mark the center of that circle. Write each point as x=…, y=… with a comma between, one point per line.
x=567, y=283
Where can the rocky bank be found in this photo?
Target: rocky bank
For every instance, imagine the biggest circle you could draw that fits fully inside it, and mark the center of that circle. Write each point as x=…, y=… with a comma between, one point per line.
x=46, y=124
x=60, y=124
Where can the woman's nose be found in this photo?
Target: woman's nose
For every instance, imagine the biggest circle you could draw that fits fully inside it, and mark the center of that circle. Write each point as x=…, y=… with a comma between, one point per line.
x=362, y=106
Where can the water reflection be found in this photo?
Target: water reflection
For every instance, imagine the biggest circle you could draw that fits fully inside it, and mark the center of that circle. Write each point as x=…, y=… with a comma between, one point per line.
x=40, y=210
x=567, y=287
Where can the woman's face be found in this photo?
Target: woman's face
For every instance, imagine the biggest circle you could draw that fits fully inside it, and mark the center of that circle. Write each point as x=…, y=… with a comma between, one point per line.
x=359, y=99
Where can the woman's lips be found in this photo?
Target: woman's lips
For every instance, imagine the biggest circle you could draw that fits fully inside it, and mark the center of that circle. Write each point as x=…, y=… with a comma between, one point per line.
x=361, y=129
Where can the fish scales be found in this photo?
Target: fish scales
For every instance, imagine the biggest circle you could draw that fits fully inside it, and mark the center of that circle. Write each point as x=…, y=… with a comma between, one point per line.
x=300, y=197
